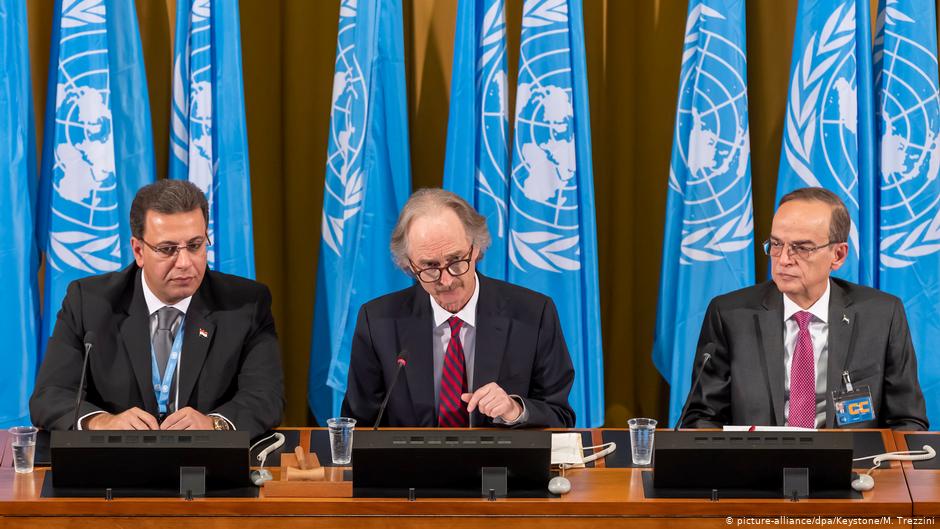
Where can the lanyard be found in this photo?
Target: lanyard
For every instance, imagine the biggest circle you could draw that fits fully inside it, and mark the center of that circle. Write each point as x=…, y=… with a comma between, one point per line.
x=161, y=386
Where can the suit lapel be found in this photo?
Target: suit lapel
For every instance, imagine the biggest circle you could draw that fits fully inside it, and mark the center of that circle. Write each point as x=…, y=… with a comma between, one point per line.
x=135, y=333
x=415, y=338
x=841, y=321
x=771, y=329
x=199, y=334
x=491, y=334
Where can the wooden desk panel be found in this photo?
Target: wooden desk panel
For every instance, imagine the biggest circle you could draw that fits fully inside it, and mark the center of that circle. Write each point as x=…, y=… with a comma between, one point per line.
x=608, y=496
x=924, y=485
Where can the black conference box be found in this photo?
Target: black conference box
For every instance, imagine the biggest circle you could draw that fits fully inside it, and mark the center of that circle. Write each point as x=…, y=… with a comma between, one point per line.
x=750, y=460
x=448, y=463
x=143, y=459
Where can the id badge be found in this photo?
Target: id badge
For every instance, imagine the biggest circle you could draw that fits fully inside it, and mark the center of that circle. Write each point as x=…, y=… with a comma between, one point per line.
x=853, y=406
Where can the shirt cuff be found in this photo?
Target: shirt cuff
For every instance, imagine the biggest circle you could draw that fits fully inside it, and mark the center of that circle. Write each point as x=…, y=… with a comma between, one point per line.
x=521, y=419
x=224, y=418
x=81, y=421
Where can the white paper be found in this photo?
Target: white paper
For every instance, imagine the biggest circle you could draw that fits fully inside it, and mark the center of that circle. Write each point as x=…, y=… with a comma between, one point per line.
x=733, y=428
x=567, y=450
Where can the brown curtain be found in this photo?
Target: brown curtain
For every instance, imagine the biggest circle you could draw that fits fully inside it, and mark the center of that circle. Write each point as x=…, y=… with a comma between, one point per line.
x=633, y=54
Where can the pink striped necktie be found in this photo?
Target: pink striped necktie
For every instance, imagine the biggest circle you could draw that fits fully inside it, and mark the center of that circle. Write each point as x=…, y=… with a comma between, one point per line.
x=803, y=377
x=452, y=412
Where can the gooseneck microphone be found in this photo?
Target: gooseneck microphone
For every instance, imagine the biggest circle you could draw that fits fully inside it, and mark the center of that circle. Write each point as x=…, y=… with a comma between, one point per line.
x=90, y=338
x=402, y=361
x=707, y=353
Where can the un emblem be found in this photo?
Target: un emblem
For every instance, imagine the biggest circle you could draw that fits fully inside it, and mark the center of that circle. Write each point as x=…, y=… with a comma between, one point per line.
x=822, y=111
x=910, y=146
x=712, y=146
x=85, y=219
x=544, y=191
x=342, y=195
x=491, y=75
x=191, y=132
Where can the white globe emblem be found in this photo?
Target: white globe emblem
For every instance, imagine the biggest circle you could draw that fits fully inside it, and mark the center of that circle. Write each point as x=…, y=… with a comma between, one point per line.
x=712, y=144
x=85, y=222
x=343, y=190
x=909, y=145
x=544, y=188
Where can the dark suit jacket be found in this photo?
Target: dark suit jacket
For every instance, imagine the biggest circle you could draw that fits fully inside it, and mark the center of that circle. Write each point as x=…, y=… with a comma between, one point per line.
x=519, y=345
x=744, y=381
x=235, y=370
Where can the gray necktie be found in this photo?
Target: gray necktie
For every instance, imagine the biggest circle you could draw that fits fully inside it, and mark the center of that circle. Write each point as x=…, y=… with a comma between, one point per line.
x=167, y=322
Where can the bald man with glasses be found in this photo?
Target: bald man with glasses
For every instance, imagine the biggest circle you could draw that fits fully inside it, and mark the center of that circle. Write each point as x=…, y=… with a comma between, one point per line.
x=807, y=350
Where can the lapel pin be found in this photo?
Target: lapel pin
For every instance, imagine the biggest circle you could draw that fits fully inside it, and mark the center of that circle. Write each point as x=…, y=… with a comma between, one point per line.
x=845, y=319
x=203, y=333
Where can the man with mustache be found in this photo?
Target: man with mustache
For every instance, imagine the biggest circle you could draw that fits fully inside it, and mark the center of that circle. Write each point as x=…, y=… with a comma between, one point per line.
x=784, y=346
x=177, y=346
x=479, y=351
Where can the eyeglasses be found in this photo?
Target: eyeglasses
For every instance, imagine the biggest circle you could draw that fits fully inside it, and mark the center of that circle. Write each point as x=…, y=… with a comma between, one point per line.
x=168, y=251
x=433, y=273
x=775, y=248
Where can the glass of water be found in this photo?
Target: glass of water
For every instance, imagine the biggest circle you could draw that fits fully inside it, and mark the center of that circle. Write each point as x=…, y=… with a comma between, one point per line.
x=341, y=439
x=641, y=440
x=24, y=448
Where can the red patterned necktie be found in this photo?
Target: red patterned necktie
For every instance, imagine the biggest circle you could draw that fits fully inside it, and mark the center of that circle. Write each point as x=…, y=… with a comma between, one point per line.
x=803, y=377
x=452, y=412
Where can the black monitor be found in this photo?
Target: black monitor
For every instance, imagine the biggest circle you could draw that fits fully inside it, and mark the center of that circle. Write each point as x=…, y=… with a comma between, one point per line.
x=125, y=461
x=449, y=463
x=751, y=461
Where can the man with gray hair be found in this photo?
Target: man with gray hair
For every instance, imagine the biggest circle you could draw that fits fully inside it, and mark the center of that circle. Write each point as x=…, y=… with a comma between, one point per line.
x=807, y=350
x=477, y=351
x=175, y=346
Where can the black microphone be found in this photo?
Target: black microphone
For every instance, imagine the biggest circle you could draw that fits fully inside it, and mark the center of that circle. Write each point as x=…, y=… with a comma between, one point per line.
x=90, y=338
x=402, y=361
x=707, y=353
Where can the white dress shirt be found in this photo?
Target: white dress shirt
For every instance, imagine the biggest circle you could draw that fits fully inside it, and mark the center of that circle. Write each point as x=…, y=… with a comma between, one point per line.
x=468, y=338
x=819, y=333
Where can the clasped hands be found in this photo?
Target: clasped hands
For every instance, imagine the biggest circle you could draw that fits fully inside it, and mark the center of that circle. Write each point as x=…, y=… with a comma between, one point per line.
x=137, y=419
x=493, y=401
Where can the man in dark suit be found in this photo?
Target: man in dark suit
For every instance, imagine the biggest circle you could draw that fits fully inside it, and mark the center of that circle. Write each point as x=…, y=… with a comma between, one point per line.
x=176, y=346
x=479, y=351
x=782, y=347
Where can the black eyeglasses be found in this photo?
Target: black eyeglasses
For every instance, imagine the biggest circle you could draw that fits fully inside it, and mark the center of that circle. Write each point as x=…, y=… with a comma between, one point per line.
x=803, y=251
x=433, y=273
x=168, y=251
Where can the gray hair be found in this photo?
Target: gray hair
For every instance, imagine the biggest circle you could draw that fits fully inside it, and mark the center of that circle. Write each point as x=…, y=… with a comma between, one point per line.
x=839, y=222
x=167, y=197
x=428, y=201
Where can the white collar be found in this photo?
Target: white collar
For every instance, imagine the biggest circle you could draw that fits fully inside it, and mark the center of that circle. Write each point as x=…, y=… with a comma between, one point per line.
x=468, y=313
x=153, y=302
x=820, y=309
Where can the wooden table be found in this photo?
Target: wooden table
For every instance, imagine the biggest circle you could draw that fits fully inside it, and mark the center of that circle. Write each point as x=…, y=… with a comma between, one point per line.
x=923, y=484
x=600, y=497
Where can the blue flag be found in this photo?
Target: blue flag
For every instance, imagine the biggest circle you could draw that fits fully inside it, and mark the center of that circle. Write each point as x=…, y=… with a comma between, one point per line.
x=368, y=180
x=19, y=259
x=98, y=144
x=828, y=137
x=477, y=165
x=708, y=244
x=552, y=231
x=208, y=137
x=908, y=127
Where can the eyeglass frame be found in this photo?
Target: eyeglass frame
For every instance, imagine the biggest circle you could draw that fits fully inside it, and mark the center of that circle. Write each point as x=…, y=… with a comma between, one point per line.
x=441, y=269
x=792, y=249
x=176, y=247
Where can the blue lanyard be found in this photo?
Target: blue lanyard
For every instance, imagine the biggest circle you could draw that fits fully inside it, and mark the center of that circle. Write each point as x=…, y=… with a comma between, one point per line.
x=161, y=386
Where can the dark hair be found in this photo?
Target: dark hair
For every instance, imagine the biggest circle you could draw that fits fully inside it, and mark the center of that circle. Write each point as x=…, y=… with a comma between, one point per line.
x=167, y=197
x=431, y=200
x=839, y=223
